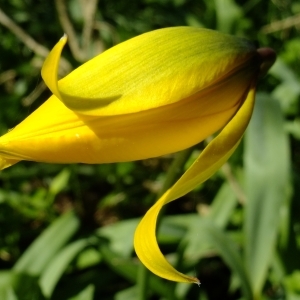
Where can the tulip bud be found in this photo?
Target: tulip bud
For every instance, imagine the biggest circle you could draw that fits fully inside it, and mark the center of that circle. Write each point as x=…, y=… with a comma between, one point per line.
x=157, y=93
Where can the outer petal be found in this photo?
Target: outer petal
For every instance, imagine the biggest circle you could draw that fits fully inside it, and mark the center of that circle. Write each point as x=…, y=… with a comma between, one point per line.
x=49, y=74
x=177, y=86
x=50, y=66
x=209, y=161
x=149, y=71
x=53, y=133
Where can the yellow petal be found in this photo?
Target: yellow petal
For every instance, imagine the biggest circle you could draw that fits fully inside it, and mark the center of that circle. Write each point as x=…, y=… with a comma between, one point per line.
x=164, y=123
x=50, y=67
x=54, y=133
x=209, y=161
x=50, y=72
x=149, y=71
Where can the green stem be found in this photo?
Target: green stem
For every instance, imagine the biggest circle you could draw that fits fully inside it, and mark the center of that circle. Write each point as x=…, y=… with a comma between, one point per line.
x=142, y=282
x=172, y=175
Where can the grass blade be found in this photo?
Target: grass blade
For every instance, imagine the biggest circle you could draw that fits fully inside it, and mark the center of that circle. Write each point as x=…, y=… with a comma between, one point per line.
x=42, y=250
x=58, y=265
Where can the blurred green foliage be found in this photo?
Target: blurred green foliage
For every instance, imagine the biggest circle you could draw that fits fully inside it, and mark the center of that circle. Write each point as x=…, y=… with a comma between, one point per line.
x=66, y=231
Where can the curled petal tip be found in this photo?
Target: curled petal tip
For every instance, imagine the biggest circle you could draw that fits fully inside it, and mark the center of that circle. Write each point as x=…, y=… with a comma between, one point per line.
x=64, y=37
x=268, y=57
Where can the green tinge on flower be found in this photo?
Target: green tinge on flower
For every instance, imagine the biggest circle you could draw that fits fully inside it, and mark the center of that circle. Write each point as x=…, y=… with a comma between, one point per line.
x=157, y=93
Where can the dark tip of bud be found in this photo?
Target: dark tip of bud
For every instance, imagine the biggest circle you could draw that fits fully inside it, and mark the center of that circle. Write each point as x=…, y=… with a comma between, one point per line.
x=268, y=57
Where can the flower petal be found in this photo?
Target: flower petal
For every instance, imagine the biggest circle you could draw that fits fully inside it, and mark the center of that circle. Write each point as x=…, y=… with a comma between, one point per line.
x=54, y=133
x=151, y=70
x=49, y=74
x=50, y=66
x=209, y=161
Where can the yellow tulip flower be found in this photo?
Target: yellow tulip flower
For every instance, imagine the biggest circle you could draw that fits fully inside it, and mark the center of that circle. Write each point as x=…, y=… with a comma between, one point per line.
x=157, y=93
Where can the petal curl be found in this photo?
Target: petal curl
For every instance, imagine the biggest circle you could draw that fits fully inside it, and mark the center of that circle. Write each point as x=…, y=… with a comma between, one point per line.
x=51, y=64
x=49, y=74
x=209, y=161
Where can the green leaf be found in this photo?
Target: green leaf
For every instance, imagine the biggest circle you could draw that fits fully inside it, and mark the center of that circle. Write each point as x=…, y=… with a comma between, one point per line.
x=288, y=91
x=293, y=127
x=222, y=206
x=267, y=185
x=7, y=294
x=228, y=13
x=292, y=282
x=26, y=287
x=86, y=294
x=88, y=258
x=207, y=233
x=45, y=247
x=5, y=279
x=129, y=270
x=130, y=293
x=59, y=264
x=120, y=236
x=6, y=287
x=292, y=296
x=59, y=182
x=219, y=213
